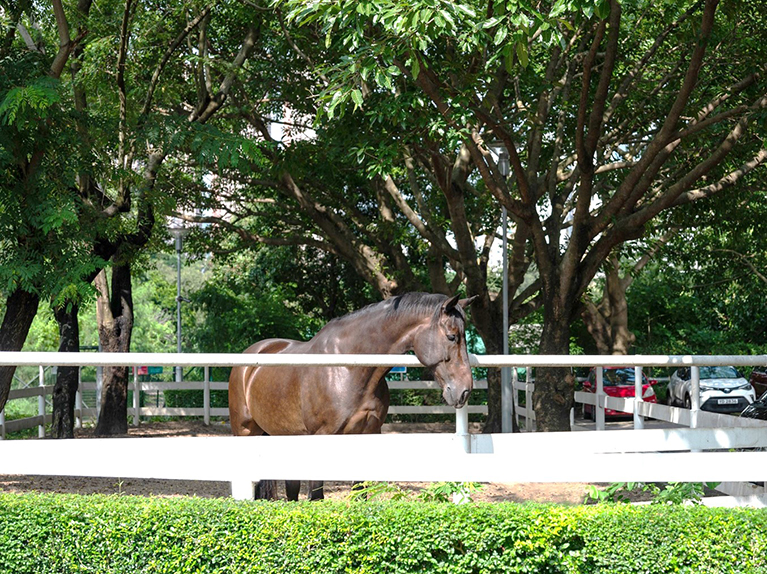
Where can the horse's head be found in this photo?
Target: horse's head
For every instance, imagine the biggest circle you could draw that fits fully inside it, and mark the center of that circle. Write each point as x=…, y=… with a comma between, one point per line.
x=442, y=348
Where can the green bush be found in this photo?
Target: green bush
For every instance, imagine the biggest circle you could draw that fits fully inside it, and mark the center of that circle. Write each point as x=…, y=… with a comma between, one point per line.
x=195, y=399
x=65, y=534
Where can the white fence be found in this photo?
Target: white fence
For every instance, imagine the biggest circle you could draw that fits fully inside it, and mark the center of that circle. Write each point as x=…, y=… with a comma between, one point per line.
x=676, y=454
x=83, y=411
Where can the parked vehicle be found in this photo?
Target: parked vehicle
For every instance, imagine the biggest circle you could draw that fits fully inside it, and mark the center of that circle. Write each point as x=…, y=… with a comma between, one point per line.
x=617, y=382
x=757, y=409
x=758, y=380
x=722, y=389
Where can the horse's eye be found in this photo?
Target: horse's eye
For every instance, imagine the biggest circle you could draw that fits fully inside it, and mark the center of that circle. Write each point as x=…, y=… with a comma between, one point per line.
x=452, y=337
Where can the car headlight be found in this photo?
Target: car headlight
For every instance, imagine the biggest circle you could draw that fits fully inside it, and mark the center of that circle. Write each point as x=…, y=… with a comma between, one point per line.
x=648, y=393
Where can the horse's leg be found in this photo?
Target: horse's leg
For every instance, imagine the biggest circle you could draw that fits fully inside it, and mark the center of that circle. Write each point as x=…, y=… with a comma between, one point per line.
x=265, y=490
x=316, y=490
x=292, y=488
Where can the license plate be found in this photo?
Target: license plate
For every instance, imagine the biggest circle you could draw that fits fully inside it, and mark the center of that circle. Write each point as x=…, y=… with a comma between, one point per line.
x=727, y=402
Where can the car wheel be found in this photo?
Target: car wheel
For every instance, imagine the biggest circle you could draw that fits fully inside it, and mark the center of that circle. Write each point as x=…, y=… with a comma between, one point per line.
x=587, y=413
x=687, y=402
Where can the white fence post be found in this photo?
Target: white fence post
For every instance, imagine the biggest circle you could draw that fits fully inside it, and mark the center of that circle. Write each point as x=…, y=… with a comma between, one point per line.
x=79, y=400
x=206, y=396
x=41, y=402
x=528, y=400
x=2, y=424
x=136, y=397
x=638, y=419
x=515, y=392
x=99, y=387
x=462, y=427
x=599, y=409
x=694, y=396
x=243, y=489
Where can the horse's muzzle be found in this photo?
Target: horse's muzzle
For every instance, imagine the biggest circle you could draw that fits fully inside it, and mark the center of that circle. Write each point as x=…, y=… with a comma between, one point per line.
x=453, y=398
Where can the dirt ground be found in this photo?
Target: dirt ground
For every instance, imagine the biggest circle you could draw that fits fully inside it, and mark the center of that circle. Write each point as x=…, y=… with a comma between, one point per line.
x=563, y=493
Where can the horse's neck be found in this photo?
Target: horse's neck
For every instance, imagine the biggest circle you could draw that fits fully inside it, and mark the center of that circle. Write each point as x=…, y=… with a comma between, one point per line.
x=371, y=334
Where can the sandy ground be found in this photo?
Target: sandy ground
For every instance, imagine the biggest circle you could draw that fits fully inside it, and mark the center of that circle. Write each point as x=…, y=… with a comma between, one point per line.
x=564, y=493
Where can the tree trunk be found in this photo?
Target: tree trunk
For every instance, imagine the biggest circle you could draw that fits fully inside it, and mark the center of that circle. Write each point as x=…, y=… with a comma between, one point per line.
x=608, y=321
x=65, y=389
x=20, y=310
x=115, y=319
x=554, y=386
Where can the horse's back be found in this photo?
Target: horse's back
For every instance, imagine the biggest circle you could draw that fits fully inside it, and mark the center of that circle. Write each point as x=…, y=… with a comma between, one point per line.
x=266, y=398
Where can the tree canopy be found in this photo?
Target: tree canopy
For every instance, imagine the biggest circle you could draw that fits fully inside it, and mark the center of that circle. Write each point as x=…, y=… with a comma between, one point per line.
x=613, y=114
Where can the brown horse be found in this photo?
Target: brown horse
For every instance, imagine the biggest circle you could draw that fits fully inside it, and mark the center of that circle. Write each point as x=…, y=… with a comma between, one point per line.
x=298, y=400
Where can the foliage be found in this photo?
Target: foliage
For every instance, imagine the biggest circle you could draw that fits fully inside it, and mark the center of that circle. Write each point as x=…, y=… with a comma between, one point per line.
x=67, y=534
x=238, y=313
x=43, y=239
x=433, y=492
x=671, y=493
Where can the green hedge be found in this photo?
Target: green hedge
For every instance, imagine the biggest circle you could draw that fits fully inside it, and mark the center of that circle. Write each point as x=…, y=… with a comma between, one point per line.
x=64, y=534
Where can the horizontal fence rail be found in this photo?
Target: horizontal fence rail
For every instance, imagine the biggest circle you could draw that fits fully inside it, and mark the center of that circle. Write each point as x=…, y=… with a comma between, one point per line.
x=206, y=411
x=10, y=358
x=423, y=457
x=680, y=454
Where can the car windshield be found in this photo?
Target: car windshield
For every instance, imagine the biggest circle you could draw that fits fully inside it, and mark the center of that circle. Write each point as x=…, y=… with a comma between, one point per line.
x=618, y=377
x=719, y=373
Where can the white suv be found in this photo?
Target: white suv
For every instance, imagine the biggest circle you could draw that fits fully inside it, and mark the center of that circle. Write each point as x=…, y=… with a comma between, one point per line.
x=722, y=389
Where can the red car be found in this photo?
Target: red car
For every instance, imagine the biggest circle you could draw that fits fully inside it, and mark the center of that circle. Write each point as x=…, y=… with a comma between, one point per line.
x=617, y=382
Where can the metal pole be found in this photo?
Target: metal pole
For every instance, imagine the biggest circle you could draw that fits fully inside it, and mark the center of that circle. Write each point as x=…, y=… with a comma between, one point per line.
x=507, y=392
x=179, y=376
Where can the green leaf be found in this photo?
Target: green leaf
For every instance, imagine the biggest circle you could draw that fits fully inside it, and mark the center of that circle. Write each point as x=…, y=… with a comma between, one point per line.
x=522, y=53
x=602, y=10
x=357, y=98
x=500, y=35
x=415, y=67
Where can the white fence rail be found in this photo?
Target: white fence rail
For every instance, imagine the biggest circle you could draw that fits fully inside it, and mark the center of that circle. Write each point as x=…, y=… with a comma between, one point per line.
x=693, y=455
x=206, y=411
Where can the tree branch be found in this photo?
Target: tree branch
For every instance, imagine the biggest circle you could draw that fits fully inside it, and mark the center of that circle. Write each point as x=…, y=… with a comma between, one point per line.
x=65, y=42
x=168, y=53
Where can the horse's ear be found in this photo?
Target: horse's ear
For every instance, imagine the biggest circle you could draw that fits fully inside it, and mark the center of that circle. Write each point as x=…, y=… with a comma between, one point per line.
x=466, y=302
x=449, y=304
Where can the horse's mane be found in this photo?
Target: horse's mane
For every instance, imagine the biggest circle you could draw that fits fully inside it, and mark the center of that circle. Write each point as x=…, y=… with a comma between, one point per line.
x=408, y=303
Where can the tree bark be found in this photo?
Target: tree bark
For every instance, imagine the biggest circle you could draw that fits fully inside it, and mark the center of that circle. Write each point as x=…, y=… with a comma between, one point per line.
x=607, y=321
x=554, y=386
x=115, y=317
x=20, y=310
x=67, y=379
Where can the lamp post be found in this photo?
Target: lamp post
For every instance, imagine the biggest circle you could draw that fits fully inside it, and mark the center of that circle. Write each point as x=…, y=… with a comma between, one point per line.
x=507, y=392
x=179, y=233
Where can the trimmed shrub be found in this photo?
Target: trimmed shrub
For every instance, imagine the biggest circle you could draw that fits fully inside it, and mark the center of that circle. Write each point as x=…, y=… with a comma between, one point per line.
x=65, y=534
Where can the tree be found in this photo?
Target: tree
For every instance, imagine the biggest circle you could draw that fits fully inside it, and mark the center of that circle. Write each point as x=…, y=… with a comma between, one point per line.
x=611, y=113
x=607, y=321
x=44, y=251
x=317, y=193
x=706, y=291
x=129, y=107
